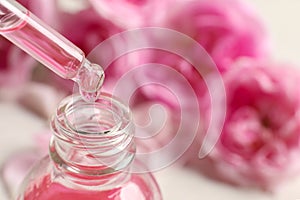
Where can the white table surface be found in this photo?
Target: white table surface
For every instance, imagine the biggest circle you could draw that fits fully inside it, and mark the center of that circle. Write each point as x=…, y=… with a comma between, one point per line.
x=17, y=125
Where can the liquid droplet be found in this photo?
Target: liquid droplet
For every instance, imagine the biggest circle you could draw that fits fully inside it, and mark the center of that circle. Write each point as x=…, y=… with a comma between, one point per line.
x=90, y=80
x=90, y=96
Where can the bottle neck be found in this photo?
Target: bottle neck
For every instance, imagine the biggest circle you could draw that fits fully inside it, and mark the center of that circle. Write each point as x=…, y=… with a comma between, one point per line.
x=92, y=141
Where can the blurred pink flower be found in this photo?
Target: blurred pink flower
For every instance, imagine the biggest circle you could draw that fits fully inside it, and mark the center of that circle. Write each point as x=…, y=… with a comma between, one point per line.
x=132, y=13
x=44, y=9
x=87, y=28
x=227, y=30
x=171, y=79
x=15, y=65
x=155, y=126
x=259, y=144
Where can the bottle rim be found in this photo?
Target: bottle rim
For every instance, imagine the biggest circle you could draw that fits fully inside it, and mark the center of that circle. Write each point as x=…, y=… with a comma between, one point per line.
x=78, y=119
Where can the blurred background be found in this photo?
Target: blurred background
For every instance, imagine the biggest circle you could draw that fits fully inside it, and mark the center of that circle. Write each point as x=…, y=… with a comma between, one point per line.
x=21, y=123
x=279, y=17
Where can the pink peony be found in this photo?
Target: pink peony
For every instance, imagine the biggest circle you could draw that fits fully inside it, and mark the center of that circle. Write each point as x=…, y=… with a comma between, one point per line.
x=227, y=30
x=259, y=144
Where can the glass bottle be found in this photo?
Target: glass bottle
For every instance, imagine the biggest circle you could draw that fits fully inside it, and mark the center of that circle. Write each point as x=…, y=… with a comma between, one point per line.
x=90, y=156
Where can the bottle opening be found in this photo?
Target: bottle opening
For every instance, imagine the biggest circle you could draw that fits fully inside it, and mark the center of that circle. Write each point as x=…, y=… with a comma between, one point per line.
x=105, y=116
x=92, y=119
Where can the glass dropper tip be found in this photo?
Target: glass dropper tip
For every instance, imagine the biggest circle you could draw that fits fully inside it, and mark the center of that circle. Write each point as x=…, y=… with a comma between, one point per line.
x=90, y=79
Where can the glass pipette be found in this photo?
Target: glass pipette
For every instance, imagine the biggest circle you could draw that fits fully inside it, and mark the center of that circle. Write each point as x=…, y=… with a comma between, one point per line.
x=28, y=32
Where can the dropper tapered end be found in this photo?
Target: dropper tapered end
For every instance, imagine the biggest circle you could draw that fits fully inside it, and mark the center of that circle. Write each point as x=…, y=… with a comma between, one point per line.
x=90, y=79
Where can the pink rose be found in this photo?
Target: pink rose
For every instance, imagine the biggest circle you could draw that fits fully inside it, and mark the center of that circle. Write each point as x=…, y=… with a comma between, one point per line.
x=259, y=144
x=227, y=30
x=132, y=14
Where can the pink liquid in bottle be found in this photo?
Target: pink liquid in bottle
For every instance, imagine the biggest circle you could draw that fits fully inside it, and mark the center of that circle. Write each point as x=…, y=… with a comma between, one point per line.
x=135, y=189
